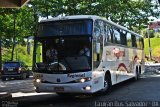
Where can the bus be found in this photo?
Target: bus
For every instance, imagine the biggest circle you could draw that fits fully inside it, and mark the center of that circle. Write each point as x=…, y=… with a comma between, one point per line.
x=115, y=54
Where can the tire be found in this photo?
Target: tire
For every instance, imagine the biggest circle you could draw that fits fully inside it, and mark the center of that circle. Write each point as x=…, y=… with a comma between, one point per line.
x=107, y=84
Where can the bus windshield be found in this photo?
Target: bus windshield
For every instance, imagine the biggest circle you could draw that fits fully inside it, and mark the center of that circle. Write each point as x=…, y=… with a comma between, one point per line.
x=63, y=27
x=63, y=54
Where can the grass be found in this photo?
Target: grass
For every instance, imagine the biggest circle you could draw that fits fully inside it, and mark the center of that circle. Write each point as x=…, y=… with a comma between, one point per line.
x=155, y=46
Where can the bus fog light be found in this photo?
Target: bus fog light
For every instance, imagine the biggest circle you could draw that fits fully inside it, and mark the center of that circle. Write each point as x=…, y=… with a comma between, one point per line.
x=87, y=88
x=38, y=80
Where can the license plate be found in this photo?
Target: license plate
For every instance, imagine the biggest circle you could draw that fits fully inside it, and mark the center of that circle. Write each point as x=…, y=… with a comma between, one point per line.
x=10, y=69
x=59, y=89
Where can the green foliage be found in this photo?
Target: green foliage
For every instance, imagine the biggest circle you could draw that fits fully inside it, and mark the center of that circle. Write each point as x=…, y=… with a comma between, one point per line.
x=16, y=24
x=130, y=13
x=23, y=25
x=6, y=54
x=20, y=54
x=155, y=8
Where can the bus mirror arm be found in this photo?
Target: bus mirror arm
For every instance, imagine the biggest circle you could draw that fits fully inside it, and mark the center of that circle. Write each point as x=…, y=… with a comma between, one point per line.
x=98, y=51
x=98, y=48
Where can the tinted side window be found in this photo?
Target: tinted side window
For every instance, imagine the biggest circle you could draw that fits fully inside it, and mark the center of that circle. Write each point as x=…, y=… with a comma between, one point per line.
x=123, y=37
x=138, y=42
x=106, y=34
x=117, y=39
x=134, y=43
x=110, y=34
x=129, y=40
x=141, y=43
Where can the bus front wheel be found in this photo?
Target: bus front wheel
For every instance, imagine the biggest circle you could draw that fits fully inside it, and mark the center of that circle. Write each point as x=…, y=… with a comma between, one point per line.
x=107, y=84
x=137, y=74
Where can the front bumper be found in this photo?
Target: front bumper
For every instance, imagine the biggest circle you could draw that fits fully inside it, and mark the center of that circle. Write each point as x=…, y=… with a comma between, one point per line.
x=64, y=88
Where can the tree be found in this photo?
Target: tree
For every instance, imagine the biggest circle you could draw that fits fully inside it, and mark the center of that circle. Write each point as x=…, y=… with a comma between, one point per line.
x=155, y=7
x=16, y=24
x=130, y=13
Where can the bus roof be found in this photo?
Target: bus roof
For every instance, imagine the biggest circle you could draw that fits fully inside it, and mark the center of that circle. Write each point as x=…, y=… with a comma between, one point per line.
x=93, y=17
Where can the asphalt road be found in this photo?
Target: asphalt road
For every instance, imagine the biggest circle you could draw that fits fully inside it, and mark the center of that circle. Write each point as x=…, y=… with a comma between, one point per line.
x=144, y=92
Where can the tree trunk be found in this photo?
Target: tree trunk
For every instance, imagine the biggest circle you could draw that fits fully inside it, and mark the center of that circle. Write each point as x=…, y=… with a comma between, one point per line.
x=34, y=34
x=14, y=39
x=0, y=52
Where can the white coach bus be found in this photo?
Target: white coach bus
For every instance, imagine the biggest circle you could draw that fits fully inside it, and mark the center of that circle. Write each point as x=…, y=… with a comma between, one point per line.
x=112, y=54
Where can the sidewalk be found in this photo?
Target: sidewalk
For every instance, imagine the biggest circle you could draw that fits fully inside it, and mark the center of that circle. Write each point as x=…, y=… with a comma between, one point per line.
x=5, y=96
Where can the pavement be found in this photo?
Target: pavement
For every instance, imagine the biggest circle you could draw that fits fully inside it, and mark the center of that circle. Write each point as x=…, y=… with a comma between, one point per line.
x=5, y=96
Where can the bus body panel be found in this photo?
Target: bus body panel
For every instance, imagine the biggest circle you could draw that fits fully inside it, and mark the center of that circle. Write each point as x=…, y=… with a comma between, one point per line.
x=98, y=80
x=121, y=62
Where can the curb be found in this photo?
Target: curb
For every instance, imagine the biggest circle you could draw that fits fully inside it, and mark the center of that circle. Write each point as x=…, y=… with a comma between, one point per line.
x=6, y=96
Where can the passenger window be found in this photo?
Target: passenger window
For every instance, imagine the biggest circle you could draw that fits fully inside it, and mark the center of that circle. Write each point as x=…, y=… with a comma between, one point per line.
x=123, y=37
x=134, y=43
x=138, y=42
x=117, y=36
x=141, y=42
x=105, y=34
x=129, y=40
x=110, y=34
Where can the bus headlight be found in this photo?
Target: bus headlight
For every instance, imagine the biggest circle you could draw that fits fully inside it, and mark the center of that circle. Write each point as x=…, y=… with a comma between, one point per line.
x=84, y=79
x=38, y=80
